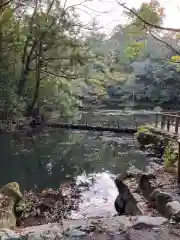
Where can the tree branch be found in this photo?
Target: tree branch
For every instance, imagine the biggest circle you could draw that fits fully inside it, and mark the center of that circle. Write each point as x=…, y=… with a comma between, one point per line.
x=147, y=22
x=59, y=75
x=162, y=41
x=4, y=4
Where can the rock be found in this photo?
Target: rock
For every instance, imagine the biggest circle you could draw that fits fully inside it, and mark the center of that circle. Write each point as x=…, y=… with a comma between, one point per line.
x=49, y=235
x=10, y=195
x=88, y=229
x=146, y=138
x=116, y=223
x=173, y=210
x=7, y=234
x=119, y=205
x=49, y=232
x=162, y=233
x=125, y=201
x=145, y=184
x=161, y=197
x=149, y=221
x=131, y=208
x=75, y=233
x=161, y=202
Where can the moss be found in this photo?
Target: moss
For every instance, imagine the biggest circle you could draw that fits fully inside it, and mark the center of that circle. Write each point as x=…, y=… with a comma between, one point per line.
x=7, y=215
x=145, y=128
x=170, y=154
x=145, y=135
x=22, y=208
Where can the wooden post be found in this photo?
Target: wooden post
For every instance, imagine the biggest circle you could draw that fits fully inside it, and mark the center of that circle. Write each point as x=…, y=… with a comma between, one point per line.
x=118, y=123
x=168, y=123
x=156, y=121
x=176, y=124
x=162, y=121
x=178, y=161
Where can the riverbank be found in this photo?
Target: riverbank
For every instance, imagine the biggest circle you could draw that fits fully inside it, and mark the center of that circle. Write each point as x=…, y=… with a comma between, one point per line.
x=45, y=214
x=51, y=206
x=48, y=219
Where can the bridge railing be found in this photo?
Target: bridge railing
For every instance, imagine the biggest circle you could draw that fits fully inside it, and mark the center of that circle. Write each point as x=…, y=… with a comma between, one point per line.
x=169, y=122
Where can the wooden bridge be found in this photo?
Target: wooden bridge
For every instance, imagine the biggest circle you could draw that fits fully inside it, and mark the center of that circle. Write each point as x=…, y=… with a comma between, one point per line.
x=168, y=122
x=102, y=128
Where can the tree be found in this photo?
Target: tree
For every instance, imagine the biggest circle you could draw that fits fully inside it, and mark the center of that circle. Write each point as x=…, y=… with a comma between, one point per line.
x=42, y=48
x=150, y=18
x=152, y=85
x=148, y=22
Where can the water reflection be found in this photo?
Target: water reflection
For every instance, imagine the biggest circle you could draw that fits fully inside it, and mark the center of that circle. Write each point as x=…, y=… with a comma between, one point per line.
x=52, y=157
x=98, y=199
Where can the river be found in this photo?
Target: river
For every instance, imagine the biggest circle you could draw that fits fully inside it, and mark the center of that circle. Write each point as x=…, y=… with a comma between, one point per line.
x=55, y=156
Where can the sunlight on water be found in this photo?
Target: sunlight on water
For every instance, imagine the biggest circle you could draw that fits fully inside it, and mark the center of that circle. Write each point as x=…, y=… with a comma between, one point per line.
x=99, y=199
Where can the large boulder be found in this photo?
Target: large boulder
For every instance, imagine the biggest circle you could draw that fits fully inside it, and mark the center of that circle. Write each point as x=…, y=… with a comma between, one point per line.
x=146, y=138
x=145, y=184
x=151, y=140
x=159, y=196
x=125, y=202
x=173, y=210
x=161, y=200
x=119, y=205
x=10, y=195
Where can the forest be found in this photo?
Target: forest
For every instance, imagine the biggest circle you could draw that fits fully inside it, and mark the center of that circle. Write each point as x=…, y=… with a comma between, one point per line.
x=51, y=61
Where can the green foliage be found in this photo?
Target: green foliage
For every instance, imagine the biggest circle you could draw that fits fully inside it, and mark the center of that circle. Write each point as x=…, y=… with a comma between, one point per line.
x=144, y=128
x=135, y=50
x=43, y=53
x=161, y=84
x=99, y=84
x=170, y=154
x=137, y=32
x=152, y=12
x=145, y=135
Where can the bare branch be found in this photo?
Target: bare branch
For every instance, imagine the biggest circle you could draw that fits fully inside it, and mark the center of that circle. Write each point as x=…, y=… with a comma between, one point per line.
x=147, y=22
x=75, y=5
x=94, y=9
x=59, y=75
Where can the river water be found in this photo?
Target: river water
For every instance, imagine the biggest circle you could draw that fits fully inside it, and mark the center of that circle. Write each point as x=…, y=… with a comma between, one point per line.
x=56, y=156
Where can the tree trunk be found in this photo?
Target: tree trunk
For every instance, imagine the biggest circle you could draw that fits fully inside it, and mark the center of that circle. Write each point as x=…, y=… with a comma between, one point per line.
x=26, y=69
x=31, y=108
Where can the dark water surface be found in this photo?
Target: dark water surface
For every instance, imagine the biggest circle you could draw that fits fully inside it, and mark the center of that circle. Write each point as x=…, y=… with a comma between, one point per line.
x=55, y=156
